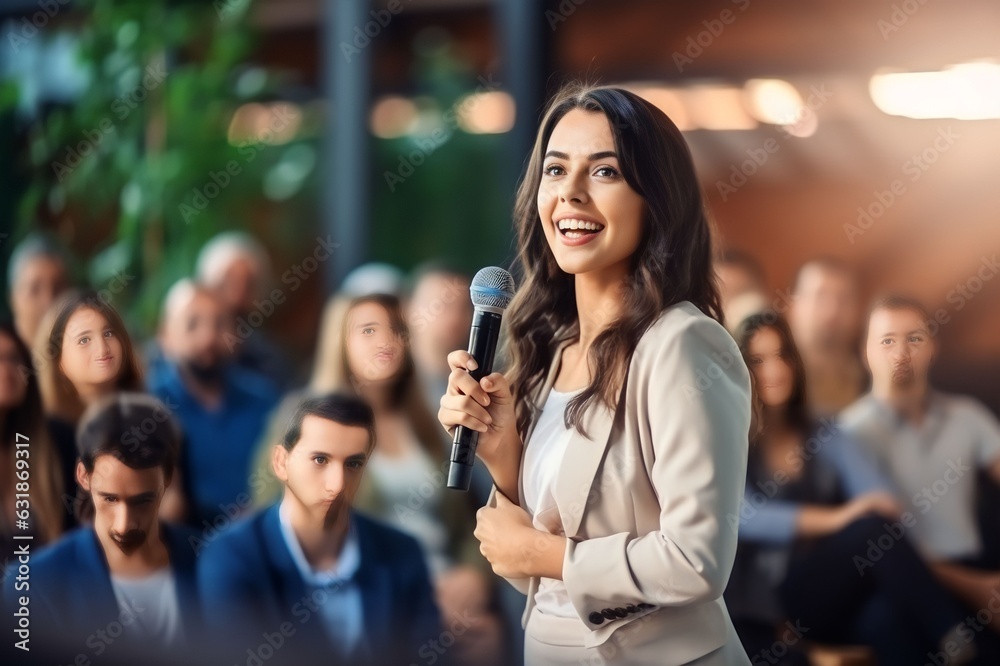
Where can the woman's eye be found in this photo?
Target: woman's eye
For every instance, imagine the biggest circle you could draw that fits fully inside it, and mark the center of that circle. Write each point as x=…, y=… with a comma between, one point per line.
x=368, y=330
x=110, y=500
x=84, y=341
x=553, y=170
x=887, y=341
x=606, y=172
x=319, y=460
x=355, y=464
x=109, y=333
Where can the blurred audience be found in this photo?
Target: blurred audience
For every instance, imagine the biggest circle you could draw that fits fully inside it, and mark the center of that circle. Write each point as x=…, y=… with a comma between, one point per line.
x=221, y=406
x=814, y=503
x=352, y=589
x=25, y=438
x=83, y=353
x=742, y=287
x=439, y=315
x=929, y=444
x=127, y=569
x=236, y=266
x=37, y=274
x=825, y=316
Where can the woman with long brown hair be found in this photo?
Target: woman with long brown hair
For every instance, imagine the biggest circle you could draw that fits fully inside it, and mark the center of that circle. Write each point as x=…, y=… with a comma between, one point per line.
x=618, y=440
x=83, y=352
x=22, y=421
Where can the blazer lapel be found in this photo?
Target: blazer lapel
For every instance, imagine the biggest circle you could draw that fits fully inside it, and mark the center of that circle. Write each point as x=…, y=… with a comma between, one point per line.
x=580, y=462
x=583, y=454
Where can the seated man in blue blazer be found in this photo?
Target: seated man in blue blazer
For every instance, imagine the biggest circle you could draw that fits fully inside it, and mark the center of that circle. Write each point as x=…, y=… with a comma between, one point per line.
x=309, y=580
x=122, y=589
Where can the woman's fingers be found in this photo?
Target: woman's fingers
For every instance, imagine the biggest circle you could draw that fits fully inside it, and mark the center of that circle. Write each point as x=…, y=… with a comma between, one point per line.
x=497, y=385
x=461, y=360
x=461, y=382
x=464, y=403
x=453, y=417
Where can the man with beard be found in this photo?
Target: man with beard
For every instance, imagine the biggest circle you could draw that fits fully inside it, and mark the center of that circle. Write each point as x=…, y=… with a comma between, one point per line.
x=126, y=584
x=309, y=580
x=824, y=315
x=222, y=407
x=930, y=445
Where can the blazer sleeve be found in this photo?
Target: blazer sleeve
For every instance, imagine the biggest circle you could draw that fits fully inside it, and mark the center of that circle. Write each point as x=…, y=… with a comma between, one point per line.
x=692, y=399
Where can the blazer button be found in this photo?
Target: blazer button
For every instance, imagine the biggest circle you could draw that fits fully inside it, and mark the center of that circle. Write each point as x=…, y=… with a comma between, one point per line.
x=632, y=608
x=621, y=612
x=596, y=618
x=609, y=614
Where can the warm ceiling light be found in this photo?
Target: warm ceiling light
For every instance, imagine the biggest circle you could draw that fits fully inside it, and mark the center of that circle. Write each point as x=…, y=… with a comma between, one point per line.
x=668, y=101
x=969, y=91
x=774, y=101
x=716, y=107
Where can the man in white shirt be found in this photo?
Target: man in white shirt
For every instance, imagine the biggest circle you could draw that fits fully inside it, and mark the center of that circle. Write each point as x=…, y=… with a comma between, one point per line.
x=123, y=587
x=930, y=445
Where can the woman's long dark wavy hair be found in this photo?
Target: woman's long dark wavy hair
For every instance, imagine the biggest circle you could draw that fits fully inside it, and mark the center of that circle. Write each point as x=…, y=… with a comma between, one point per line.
x=797, y=408
x=673, y=262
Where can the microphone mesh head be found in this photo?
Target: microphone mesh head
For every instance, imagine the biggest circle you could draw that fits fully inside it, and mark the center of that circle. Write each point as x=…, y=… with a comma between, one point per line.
x=493, y=288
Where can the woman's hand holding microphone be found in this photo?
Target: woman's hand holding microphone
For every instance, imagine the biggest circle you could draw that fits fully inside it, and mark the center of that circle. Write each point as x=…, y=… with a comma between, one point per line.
x=508, y=539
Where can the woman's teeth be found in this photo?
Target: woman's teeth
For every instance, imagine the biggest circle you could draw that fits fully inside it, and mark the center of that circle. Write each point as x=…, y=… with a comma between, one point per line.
x=576, y=228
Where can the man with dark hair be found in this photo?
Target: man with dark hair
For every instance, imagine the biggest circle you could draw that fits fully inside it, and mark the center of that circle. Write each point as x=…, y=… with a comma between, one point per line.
x=930, y=445
x=309, y=578
x=127, y=581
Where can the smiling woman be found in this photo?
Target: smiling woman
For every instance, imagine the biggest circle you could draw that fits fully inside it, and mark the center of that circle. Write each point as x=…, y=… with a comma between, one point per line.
x=613, y=476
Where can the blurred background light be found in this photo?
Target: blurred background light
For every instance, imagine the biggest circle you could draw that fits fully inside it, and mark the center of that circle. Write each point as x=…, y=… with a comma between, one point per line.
x=490, y=112
x=968, y=91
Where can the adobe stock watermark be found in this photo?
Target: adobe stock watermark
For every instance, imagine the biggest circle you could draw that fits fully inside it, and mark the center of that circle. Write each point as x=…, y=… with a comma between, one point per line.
x=699, y=42
x=294, y=277
x=42, y=356
x=561, y=13
x=915, y=167
x=29, y=26
x=122, y=106
x=217, y=181
x=740, y=174
x=764, y=491
x=364, y=34
x=983, y=618
x=925, y=500
x=899, y=16
x=426, y=145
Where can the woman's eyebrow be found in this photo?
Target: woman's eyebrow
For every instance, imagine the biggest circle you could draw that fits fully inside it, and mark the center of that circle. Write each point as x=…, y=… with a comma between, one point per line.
x=591, y=157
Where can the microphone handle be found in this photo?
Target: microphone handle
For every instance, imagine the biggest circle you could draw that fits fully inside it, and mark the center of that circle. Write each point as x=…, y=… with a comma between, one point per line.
x=482, y=346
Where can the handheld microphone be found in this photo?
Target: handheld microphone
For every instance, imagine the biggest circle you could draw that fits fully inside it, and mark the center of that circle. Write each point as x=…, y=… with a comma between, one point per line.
x=492, y=290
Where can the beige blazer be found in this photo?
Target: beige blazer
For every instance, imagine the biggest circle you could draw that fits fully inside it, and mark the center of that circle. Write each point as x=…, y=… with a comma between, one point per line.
x=644, y=498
